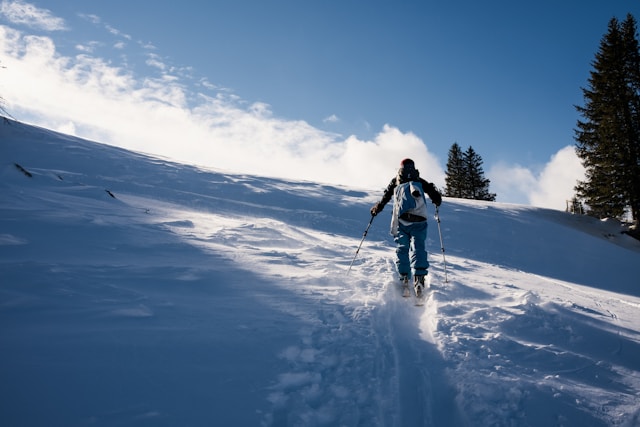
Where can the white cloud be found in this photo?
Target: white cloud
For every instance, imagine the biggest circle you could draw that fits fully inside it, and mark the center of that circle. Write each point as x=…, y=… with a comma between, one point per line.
x=94, y=19
x=99, y=101
x=66, y=128
x=377, y=161
x=19, y=12
x=89, y=47
x=117, y=32
x=147, y=45
x=154, y=61
x=511, y=183
x=331, y=119
x=549, y=188
x=557, y=180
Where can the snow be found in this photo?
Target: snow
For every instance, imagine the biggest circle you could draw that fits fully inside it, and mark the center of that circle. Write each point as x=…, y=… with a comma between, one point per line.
x=139, y=291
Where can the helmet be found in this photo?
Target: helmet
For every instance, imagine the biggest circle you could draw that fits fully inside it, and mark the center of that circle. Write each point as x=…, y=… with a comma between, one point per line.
x=407, y=171
x=408, y=163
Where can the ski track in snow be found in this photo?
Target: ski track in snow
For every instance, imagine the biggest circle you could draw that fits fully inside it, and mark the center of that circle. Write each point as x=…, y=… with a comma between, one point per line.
x=178, y=296
x=342, y=339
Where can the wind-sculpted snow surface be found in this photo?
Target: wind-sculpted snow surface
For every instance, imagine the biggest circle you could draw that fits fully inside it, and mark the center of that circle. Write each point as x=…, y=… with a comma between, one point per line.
x=138, y=291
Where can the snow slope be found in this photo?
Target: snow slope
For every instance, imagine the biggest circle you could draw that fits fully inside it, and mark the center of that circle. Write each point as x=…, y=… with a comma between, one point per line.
x=136, y=291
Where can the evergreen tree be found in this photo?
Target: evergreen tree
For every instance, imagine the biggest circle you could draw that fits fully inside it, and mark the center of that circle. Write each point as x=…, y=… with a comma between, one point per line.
x=464, y=176
x=608, y=139
x=477, y=186
x=456, y=174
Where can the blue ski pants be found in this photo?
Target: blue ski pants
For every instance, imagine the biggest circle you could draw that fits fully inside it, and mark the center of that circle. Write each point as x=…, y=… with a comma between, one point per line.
x=411, y=252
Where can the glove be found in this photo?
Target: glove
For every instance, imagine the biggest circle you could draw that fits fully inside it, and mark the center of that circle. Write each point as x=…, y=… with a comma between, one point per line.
x=375, y=210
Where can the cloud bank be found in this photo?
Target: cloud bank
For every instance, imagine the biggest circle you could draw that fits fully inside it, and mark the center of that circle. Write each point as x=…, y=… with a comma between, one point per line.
x=167, y=113
x=87, y=96
x=551, y=187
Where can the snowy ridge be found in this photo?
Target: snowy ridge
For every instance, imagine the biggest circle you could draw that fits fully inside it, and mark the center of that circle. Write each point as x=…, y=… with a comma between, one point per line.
x=138, y=291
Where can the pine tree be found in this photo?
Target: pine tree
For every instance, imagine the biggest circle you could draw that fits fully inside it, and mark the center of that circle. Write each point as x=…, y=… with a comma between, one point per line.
x=477, y=186
x=456, y=174
x=464, y=177
x=608, y=139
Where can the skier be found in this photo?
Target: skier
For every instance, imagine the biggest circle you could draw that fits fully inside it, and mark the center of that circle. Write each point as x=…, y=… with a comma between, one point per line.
x=409, y=221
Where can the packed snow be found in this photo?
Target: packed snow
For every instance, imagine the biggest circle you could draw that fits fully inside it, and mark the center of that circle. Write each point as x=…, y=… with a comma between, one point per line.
x=138, y=291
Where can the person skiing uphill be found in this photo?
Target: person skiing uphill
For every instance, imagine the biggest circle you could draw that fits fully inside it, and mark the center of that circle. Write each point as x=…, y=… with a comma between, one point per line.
x=409, y=221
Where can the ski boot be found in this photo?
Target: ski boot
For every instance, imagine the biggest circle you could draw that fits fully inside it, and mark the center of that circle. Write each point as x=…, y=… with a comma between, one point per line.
x=418, y=285
x=404, y=280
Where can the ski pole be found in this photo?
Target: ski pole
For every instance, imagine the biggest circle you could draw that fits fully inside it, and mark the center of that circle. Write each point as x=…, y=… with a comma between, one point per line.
x=444, y=260
x=360, y=245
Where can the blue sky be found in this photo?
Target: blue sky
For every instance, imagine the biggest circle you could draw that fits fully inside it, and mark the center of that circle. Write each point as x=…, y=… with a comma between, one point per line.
x=334, y=91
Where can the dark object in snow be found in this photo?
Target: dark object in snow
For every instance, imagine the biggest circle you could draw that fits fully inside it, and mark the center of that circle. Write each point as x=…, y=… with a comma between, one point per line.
x=23, y=170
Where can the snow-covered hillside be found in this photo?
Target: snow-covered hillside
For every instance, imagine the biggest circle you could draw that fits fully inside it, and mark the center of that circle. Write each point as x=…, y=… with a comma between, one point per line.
x=136, y=291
